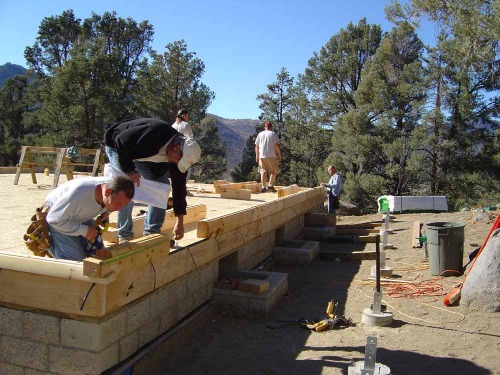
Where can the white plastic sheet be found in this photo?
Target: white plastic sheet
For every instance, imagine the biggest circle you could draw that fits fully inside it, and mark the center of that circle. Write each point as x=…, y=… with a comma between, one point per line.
x=149, y=192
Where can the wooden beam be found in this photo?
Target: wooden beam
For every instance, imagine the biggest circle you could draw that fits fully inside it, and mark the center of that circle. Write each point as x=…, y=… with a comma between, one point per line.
x=287, y=190
x=242, y=194
x=217, y=183
x=51, y=293
x=353, y=230
x=193, y=214
x=60, y=268
x=116, y=256
x=208, y=228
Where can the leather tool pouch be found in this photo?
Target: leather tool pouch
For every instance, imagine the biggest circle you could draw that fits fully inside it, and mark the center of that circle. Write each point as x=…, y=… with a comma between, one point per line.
x=37, y=237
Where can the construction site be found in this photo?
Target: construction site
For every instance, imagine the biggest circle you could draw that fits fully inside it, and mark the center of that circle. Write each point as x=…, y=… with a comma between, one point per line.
x=261, y=283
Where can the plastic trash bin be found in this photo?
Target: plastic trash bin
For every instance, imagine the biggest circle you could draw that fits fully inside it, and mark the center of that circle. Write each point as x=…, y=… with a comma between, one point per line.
x=445, y=244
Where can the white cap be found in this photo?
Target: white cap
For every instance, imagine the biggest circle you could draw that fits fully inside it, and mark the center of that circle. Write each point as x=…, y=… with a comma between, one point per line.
x=191, y=153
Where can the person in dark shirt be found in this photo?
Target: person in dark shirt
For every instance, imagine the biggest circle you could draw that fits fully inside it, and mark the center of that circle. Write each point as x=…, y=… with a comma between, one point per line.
x=151, y=149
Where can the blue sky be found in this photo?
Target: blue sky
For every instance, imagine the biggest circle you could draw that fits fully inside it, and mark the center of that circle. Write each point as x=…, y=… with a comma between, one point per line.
x=243, y=43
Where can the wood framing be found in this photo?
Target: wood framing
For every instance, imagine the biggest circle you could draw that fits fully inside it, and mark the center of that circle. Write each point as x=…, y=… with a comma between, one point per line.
x=193, y=214
x=95, y=288
x=216, y=226
x=221, y=186
x=287, y=190
x=242, y=194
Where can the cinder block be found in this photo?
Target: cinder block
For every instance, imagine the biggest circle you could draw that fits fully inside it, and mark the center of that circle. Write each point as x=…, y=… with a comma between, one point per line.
x=169, y=318
x=40, y=327
x=160, y=301
x=24, y=353
x=81, y=362
x=193, y=282
x=6, y=369
x=81, y=335
x=113, y=329
x=207, y=275
x=11, y=322
x=149, y=331
x=318, y=233
x=128, y=345
x=138, y=315
x=179, y=290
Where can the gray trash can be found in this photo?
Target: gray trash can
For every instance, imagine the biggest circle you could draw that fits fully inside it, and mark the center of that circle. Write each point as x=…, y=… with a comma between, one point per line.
x=445, y=244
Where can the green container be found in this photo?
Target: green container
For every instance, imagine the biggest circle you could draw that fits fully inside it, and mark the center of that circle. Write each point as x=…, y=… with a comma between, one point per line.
x=445, y=244
x=383, y=204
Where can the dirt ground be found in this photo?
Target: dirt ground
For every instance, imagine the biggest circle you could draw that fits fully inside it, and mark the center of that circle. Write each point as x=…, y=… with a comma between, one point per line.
x=425, y=338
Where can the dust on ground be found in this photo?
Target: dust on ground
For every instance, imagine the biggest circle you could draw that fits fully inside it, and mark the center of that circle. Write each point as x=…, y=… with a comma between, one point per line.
x=425, y=338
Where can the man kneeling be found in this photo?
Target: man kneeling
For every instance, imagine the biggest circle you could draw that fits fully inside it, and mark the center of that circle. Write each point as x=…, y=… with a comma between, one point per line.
x=73, y=207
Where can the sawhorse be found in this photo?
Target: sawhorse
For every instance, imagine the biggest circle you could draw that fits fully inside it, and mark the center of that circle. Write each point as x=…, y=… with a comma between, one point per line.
x=62, y=161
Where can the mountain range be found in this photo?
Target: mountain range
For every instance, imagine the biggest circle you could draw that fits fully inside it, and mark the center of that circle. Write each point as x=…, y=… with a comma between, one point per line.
x=233, y=133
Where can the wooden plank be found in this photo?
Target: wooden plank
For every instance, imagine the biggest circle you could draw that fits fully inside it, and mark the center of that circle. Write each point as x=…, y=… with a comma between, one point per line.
x=351, y=239
x=57, y=171
x=361, y=225
x=20, y=165
x=242, y=194
x=353, y=230
x=217, y=183
x=118, y=255
x=417, y=225
x=212, y=227
x=60, y=268
x=52, y=293
x=287, y=190
x=193, y=214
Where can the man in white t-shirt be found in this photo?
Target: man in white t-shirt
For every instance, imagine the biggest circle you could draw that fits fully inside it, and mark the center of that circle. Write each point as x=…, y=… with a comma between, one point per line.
x=267, y=154
x=182, y=125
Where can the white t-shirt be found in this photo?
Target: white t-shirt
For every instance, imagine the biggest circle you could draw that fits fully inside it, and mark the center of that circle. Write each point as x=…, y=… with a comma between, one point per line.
x=73, y=203
x=266, y=140
x=184, y=128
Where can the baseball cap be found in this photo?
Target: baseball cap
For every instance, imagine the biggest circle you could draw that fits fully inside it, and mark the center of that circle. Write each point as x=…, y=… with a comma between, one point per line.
x=191, y=153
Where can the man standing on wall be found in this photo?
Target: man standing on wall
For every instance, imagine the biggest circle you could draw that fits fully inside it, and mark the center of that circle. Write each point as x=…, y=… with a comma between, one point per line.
x=334, y=188
x=267, y=154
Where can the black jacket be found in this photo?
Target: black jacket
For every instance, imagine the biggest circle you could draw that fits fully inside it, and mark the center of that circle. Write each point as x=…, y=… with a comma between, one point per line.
x=143, y=138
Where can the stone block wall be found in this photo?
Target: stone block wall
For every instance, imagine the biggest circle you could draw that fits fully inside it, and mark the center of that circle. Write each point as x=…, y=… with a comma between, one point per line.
x=33, y=342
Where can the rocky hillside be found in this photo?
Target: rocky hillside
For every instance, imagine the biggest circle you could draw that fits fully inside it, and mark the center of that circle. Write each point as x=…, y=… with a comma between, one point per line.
x=234, y=134
x=9, y=70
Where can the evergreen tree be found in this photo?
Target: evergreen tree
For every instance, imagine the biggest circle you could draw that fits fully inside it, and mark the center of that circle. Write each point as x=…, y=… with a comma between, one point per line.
x=172, y=82
x=247, y=170
x=392, y=93
x=88, y=72
x=213, y=163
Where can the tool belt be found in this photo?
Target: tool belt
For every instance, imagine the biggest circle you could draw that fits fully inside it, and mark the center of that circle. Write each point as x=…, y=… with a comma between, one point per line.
x=37, y=237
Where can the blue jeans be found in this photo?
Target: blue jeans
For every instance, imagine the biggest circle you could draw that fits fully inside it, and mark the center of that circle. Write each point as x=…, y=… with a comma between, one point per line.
x=155, y=216
x=331, y=204
x=68, y=247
